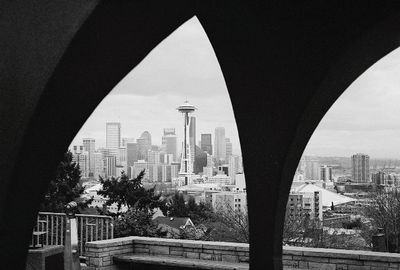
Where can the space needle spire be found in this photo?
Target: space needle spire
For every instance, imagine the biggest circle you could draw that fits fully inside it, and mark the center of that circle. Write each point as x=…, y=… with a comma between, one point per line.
x=186, y=170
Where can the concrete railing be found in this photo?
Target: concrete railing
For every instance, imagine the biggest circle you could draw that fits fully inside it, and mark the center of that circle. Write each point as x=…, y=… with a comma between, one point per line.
x=338, y=259
x=99, y=253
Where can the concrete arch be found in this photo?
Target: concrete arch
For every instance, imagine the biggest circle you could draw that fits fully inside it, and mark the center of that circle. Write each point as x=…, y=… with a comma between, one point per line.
x=282, y=65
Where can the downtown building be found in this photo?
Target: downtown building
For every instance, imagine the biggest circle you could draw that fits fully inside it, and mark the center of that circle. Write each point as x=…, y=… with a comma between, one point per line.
x=113, y=135
x=89, y=147
x=221, y=179
x=81, y=158
x=169, y=143
x=110, y=166
x=155, y=172
x=301, y=204
x=229, y=201
x=111, y=154
x=209, y=169
x=386, y=179
x=125, y=141
x=219, y=145
x=228, y=149
x=326, y=173
x=360, y=168
x=98, y=165
x=144, y=145
x=206, y=143
x=312, y=169
x=132, y=155
x=192, y=138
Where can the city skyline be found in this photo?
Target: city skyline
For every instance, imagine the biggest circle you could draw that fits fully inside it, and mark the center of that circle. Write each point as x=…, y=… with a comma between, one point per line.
x=185, y=68
x=365, y=118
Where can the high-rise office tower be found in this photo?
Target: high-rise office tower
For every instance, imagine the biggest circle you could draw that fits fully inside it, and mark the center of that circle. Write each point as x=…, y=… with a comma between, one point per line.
x=154, y=157
x=228, y=149
x=142, y=148
x=312, y=169
x=122, y=155
x=147, y=136
x=192, y=138
x=326, y=173
x=81, y=158
x=127, y=140
x=200, y=160
x=379, y=178
x=110, y=166
x=206, y=144
x=186, y=169
x=169, y=131
x=89, y=146
x=219, y=144
x=98, y=165
x=144, y=145
x=360, y=168
x=132, y=153
x=169, y=142
x=113, y=135
x=121, y=162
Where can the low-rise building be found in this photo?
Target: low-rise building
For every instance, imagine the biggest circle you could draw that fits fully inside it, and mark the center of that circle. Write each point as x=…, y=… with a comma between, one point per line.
x=229, y=201
x=305, y=203
x=173, y=226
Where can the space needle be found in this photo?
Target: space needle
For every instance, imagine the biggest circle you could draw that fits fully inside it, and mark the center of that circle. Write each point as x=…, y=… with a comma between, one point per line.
x=186, y=170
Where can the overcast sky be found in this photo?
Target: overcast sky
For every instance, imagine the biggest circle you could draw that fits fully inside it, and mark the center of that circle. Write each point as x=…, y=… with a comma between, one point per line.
x=366, y=118
x=181, y=67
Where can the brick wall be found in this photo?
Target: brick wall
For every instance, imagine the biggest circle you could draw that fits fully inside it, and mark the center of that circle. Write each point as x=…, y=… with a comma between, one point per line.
x=99, y=253
x=338, y=259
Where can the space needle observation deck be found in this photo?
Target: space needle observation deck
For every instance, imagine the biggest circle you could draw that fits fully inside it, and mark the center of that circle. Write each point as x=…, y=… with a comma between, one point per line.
x=186, y=170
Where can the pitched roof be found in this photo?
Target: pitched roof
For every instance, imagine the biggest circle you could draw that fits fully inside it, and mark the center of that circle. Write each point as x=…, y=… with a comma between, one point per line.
x=328, y=197
x=174, y=222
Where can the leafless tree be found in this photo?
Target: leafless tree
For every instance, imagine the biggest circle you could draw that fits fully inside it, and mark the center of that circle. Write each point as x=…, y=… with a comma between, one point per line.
x=234, y=220
x=384, y=212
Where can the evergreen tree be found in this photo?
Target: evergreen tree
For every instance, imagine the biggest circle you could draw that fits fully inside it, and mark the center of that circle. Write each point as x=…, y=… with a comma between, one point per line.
x=176, y=206
x=140, y=202
x=136, y=222
x=129, y=192
x=65, y=187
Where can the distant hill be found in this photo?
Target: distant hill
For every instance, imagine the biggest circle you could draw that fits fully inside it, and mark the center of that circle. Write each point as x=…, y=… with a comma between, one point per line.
x=345, y=162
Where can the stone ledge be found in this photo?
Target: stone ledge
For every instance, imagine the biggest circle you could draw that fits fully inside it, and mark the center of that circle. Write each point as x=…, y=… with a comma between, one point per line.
x=111, y=242
x=190, y=243
x=343, y=255
x=100, y=252
x=181, y=262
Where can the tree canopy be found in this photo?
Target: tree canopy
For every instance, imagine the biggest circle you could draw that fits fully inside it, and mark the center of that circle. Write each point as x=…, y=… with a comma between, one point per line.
x=129, y=192
x=140, y=202
x=176, y=205
x=65, y=187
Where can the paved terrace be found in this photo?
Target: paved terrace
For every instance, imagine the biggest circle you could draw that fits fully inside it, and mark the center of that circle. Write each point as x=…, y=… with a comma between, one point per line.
x=100, y=254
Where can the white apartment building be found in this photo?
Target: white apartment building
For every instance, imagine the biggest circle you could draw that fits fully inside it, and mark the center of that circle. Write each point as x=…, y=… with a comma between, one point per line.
x=218, y=179
x=305, y=203
x=228, y=201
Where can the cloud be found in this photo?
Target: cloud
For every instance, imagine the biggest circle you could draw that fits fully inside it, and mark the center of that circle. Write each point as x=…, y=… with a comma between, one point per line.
x=182, y=67
x=366, y=116
x=185, y=61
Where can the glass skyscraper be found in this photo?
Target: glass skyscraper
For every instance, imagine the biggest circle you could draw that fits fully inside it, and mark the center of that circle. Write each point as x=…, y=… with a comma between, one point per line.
x=113, y=135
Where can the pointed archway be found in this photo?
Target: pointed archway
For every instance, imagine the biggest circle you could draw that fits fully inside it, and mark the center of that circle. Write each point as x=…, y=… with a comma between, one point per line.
x=284, y=66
